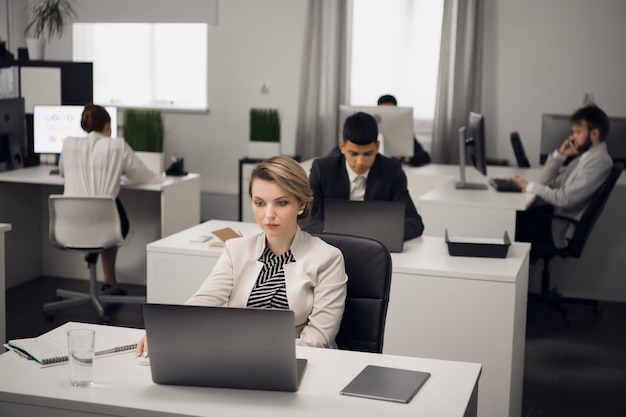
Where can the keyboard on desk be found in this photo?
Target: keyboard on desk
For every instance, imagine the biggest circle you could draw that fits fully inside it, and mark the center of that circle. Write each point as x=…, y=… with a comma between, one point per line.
x=504, y=185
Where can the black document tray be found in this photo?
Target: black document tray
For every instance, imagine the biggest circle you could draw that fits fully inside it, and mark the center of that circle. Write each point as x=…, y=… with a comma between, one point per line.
x=479, y=250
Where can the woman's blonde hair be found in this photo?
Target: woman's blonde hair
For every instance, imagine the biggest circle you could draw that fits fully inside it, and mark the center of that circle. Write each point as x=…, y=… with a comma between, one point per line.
x=289, y=175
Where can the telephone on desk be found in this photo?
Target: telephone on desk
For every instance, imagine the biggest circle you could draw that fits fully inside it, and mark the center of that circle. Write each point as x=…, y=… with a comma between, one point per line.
x=54, y=171
x=177, y=168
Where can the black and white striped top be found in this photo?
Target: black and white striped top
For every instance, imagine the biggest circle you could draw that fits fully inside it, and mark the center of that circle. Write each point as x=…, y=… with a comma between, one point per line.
x=269, y=289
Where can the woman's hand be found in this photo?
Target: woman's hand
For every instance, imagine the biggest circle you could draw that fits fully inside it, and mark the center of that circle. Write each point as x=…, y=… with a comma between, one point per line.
x=142, y=347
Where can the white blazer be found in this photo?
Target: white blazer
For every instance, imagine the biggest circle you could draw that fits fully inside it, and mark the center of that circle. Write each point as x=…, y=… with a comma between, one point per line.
x=315, y=284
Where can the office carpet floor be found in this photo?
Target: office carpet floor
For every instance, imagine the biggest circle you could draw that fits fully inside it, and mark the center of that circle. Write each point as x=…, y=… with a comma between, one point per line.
x=576, y=370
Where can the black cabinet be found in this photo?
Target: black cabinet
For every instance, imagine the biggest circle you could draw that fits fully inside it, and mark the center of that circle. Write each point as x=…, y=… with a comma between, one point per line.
x=76, y=80
x=76, y=88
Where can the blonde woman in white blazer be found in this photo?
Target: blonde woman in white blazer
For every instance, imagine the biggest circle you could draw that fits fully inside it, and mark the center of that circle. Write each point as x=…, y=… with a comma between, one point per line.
x=282, y=267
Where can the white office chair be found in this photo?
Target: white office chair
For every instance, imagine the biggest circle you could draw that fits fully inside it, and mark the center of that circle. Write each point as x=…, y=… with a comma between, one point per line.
x=90, y=225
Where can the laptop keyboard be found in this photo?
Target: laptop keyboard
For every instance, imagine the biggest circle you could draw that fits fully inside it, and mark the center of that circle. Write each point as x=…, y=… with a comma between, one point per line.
x=504, y=185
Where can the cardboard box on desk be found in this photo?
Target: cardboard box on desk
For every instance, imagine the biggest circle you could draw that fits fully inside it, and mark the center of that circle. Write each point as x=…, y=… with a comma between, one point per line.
x=477, y=247
x=223, y=235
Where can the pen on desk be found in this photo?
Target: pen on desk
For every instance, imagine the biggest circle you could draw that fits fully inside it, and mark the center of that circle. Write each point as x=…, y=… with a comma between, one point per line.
x=105, y=352
x=22, y=354
x=116, y=349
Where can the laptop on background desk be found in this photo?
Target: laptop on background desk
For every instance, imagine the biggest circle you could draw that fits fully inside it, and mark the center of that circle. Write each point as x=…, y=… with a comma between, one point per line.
x=379, y=220
x=223, y=347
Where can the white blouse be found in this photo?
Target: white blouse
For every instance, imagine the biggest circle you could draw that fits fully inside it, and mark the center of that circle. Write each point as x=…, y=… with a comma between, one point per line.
x=94, y=165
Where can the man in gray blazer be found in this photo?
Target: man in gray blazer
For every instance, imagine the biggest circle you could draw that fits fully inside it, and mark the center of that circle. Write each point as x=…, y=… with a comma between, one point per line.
x=566, y=190
x=361, y=173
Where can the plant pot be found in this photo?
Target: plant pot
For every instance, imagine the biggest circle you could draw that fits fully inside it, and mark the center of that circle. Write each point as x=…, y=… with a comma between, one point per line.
x=154, y=160
x=36, y=47
x=263, y=150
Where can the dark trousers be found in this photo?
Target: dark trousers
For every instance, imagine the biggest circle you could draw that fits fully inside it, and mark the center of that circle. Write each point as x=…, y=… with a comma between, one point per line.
x=535, y=225
x=123, y=217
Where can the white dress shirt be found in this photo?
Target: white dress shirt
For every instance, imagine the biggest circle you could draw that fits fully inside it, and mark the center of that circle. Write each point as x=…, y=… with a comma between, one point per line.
x=358, y=184
x=94, y=165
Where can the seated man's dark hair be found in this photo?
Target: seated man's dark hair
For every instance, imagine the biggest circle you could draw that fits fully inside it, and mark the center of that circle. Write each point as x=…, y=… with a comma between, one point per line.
x=360, y=129
x=387, y=99
x=595, y=117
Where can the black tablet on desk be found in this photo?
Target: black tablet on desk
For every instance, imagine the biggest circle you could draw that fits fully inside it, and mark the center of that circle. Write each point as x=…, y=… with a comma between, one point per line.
x=389, y=384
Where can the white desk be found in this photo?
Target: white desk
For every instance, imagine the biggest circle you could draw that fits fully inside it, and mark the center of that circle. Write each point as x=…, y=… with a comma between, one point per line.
x=488, y=214
x=154, y=211
x=468, y=309
x=480, y=213
x=123, y=388
x=3, y=312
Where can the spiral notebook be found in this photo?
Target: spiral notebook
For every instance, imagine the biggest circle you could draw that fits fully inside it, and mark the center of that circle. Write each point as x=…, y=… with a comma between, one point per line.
x=51, y=348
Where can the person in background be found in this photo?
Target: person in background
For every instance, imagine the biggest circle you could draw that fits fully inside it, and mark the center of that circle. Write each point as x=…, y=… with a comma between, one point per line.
x=283, y=266
x=361, y=173
x=93, y=166
x=420, y=156
x=567, y=190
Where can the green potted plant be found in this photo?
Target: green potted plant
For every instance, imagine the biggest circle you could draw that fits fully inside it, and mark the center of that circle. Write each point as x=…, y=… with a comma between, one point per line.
x=264, y=133
x=143, y=131
x=48, y=19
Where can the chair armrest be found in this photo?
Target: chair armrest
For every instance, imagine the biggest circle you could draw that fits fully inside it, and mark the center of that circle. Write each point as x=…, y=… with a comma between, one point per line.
x=567, y=219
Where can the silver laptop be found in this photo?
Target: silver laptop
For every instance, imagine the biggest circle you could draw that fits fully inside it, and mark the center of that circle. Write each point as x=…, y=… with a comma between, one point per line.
x=223, y=347
x=379, y=220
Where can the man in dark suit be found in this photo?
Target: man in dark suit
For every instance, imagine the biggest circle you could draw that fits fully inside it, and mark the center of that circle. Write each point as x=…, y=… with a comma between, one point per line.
x=361, y=173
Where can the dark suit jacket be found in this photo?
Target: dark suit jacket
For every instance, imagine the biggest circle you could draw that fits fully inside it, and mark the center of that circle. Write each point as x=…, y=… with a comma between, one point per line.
x=386, y=181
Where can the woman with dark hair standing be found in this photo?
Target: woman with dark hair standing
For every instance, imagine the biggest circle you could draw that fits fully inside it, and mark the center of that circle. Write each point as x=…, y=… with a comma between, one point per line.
x=94, y=165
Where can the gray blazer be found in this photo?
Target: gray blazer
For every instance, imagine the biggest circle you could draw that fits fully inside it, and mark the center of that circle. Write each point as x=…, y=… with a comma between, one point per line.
x=569, y=189
x=315, y=284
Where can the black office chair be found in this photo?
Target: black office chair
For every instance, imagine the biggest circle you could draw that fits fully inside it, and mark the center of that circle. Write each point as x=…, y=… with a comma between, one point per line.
x=518, y=149
x=89, y=225
x=368, y=266
x=574, y=249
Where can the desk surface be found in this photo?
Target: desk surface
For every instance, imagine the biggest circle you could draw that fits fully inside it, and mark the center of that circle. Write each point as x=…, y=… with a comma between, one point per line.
x=40, y=174
x=427, y=255
x=124, y=388
x=489, y=198
x=154, y=211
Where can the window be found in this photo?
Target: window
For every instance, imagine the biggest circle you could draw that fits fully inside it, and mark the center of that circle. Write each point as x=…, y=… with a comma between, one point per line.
x=395, y=50
x=142, y=65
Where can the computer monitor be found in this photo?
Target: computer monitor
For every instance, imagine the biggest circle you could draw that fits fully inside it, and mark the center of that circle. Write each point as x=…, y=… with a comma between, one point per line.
x=555, y=128
x=395, y=124
x=52, y=124
x=616, y=140
x=12, y=133
x=472, y=148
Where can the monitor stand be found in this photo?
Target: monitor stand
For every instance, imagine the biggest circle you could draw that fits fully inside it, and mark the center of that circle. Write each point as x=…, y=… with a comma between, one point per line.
x=462, y=184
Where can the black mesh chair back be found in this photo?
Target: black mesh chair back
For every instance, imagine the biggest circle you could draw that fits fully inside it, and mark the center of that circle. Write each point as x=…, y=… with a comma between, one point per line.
x=518, y=149
x=368, y=266
x=574, y=249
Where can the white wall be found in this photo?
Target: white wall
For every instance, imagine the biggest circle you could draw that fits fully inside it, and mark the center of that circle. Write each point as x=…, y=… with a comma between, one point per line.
x=541, y=57
x=252, y=42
